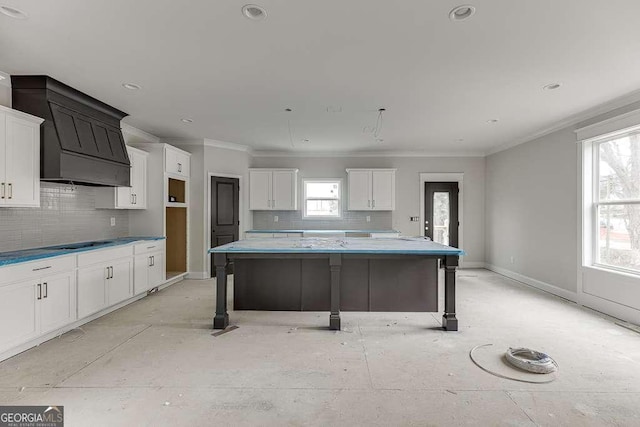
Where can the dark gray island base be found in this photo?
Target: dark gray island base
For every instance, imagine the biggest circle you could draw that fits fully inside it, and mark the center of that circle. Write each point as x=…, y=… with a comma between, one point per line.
x=352, y=275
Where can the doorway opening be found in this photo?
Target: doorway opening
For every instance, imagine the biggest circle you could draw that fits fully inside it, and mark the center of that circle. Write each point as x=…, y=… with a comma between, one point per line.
x=225, y=213
x=441, y=221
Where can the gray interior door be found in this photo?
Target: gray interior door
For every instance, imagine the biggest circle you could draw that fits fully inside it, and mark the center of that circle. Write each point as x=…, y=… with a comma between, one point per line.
x=225, y=215
x=441, y=212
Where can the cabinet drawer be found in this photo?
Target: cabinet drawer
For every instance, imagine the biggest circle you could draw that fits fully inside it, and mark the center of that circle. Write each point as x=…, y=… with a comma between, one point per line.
x=148, y=246
x=104, y=255
x=34, y=269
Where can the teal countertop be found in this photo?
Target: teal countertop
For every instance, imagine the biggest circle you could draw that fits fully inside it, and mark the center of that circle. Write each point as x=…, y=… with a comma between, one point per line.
x=26, y=255
x=347, y=245
x=323, y=231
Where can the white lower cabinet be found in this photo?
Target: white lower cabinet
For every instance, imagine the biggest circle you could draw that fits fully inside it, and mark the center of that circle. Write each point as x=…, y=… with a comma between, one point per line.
x=18, y=314
x=57, y=306
x=104, y=285
x=149, y=268
x=43, y=296
x=34, y=307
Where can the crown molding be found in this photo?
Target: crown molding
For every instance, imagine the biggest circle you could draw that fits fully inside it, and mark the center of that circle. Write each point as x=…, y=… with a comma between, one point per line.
x=266, y=153
x=573, y=120
x=227, y=145
x=139, y=133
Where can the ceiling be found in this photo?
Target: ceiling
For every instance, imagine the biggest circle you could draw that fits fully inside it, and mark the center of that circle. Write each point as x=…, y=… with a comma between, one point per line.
x=335, y=63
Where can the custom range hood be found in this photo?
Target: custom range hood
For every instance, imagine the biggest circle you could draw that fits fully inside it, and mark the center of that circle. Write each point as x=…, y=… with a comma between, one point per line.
x=81, y=141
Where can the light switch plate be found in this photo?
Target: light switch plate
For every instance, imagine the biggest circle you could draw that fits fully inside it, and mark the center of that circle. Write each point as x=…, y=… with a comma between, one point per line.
x=113, y=221
x=368, y=218
x=275, y=218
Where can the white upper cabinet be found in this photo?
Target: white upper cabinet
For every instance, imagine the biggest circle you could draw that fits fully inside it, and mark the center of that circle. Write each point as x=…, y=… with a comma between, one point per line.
x=133, y=197
x=372, y=189
x=273, y=189
x=176, y=161
x=19, y=159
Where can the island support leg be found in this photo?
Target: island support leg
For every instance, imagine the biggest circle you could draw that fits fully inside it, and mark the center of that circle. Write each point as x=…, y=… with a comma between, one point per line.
x=449, y=320
x=335, y=263
x=221, y=319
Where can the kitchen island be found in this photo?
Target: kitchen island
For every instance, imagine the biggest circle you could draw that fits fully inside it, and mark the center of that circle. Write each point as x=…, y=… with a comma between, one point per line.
x=328, y=274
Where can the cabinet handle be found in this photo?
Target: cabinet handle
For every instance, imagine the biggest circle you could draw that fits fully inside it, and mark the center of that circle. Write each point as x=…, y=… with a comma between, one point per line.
x=108, y=273
x=44, y=285
x=10, y=190
x=39, y=291
x=131, y=198
x=179, y=167
x=135, y=199
x=111, y=272
x=153, y=261
x=149, y=262
x=3, y=187
x=41, y=268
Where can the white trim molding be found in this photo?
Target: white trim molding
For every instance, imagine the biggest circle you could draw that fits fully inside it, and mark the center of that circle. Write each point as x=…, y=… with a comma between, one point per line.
x=543, y=286
x=138, y=134
x=227, y=145
x=329, y=154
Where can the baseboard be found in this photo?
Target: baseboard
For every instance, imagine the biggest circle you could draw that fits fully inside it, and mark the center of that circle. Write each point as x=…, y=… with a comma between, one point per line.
x=543, y=286
x=471, y=264
x=610, y=308
x=198, y=275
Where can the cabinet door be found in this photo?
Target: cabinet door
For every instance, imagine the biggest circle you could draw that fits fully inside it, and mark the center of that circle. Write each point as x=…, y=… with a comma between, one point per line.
x=284, y=191
x=124, y=197
x=57, y=306
x=18, y=314
x=182, y=161
x=120, y=284
x=359, y=190
x=170, y=160
x=156, y=271
x=139, y=179
x=260, y=190
x=383, y=185
x=91, y=290
x=22, y=163
x=141, y=267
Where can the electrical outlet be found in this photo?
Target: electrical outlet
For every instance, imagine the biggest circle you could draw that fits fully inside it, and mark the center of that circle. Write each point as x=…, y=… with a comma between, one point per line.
x=368, y=218
x=275, y=218
x=113, y=221
x=414, y=218
x=512, y=260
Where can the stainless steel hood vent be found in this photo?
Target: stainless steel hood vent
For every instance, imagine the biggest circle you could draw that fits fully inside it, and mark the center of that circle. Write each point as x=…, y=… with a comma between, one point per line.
x=81, y=140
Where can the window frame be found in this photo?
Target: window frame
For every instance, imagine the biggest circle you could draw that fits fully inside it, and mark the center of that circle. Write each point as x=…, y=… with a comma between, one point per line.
x=305, y=198
x=596, y=203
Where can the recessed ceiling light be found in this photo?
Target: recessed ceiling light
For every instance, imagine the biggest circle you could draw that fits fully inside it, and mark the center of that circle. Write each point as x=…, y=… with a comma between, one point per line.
x=462, y=13
x=379, y=140
x=306, y=141
x=131, y=86
x=551, y=86
x=12, y=12
x=186, y=120
x=254, y=12
x=492, y=121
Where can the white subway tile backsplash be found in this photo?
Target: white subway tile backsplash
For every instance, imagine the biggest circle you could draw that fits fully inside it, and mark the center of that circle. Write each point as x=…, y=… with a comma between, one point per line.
x=351, y=220
x=67, y=214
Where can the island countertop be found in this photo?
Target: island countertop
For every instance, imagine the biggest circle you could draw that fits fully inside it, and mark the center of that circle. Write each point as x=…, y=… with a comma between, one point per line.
x=347, y=245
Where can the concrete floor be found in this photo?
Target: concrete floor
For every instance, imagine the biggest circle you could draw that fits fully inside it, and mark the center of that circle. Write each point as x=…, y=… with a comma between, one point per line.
x=155, y=362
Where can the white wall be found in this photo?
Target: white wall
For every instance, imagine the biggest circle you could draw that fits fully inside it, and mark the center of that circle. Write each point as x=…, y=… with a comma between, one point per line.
x=407, y=187
x=531, y=211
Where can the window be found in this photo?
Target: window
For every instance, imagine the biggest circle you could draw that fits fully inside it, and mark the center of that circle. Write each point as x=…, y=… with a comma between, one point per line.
x=322, y=198
x=616, y=198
